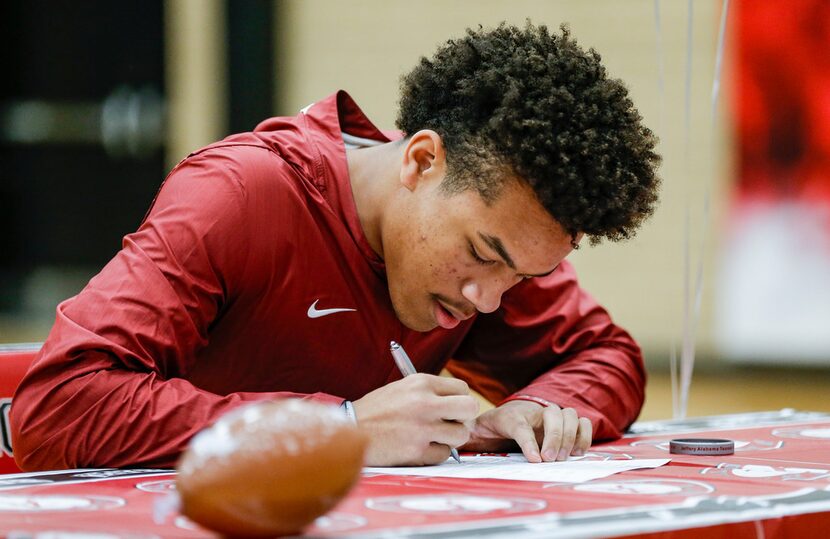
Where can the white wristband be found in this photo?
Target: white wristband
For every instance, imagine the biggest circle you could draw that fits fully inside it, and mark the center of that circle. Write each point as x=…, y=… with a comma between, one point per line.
x=531, y=398
x=348, y=409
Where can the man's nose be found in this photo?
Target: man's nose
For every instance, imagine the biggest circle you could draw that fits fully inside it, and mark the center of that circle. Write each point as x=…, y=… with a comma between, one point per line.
x=485, y=297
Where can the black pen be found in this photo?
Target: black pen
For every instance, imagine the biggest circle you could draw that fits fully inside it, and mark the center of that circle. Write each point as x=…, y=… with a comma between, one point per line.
x=406, y=367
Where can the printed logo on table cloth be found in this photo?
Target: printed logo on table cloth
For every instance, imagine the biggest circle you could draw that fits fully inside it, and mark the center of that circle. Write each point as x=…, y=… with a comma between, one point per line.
x=66, y=534
x=13, y=503
x=643, y=487
x=604, y=456
x=314, y=312
x=762, y=471
x=165, y=485
x=819, y=432
x=455, y=504
x=70, y=477
x=332, y=522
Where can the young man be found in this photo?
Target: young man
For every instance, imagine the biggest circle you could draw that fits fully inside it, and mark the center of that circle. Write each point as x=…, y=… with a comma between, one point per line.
x=280, y=264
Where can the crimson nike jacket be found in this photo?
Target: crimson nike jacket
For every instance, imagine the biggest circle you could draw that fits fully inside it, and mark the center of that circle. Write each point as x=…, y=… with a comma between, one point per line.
x=216, y=300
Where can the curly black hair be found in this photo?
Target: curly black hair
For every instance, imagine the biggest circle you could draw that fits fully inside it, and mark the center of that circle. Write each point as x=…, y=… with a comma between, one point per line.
x=513, y=102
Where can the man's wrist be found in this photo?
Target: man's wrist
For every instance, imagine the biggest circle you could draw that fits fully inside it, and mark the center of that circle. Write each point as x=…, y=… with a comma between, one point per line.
x=348, y=409
x=530, y=398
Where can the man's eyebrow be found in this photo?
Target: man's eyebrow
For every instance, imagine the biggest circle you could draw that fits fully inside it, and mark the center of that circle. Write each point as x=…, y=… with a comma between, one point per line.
x=496, y=244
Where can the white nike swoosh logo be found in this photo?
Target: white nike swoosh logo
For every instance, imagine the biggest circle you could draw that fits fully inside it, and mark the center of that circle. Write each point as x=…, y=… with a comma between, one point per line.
x=314, y=312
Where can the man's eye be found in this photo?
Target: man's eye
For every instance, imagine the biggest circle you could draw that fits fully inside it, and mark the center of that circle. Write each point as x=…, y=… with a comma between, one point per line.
x=482, y=261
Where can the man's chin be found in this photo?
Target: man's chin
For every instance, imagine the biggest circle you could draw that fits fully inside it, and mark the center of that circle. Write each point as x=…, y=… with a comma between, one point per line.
x=415, y=323
x=419, y=326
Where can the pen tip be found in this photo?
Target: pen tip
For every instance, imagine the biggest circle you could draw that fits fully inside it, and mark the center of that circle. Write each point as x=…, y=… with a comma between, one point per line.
x=393, y=344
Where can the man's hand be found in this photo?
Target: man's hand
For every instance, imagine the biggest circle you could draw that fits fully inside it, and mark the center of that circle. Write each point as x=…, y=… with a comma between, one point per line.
x=559, y=432
x=415, y=421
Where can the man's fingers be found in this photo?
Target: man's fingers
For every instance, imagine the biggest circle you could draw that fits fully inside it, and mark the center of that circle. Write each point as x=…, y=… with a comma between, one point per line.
x=436, y=454
x=405, y=417
x=583, y=437
x=563, y=433
x=553, y=425
x=570, y=425
x=526, y=438
x=457, y=407
x=442, y=385
x=559, y=432
x=450, y=433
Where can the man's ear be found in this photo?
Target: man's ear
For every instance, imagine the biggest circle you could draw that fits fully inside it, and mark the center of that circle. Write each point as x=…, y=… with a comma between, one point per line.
x=423, y=159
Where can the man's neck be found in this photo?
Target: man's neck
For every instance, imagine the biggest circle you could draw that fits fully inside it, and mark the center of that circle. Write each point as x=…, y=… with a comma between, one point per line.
x=374, y=175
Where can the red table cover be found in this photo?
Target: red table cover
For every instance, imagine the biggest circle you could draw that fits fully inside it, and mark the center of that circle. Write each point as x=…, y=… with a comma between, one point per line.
x=777, y=484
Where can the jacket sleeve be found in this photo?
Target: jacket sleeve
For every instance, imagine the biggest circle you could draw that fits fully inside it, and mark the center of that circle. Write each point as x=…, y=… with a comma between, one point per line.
x=551, y=341
x=109, y=387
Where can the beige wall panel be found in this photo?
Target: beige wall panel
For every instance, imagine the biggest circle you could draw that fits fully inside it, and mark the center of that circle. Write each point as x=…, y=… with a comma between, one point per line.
x=365, y=46
x=195, y=75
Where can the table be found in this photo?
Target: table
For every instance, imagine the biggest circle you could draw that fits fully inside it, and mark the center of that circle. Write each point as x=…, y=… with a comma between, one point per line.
x=777, y=484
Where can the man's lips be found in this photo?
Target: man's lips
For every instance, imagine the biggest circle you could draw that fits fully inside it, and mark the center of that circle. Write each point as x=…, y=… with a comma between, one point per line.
x=458, y=315
x=444, y=317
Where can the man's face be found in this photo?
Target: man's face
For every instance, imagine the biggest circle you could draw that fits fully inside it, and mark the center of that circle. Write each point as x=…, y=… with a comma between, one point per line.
x=448, y=256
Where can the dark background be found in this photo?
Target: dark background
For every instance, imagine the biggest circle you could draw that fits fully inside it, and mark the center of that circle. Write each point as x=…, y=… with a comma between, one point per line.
x=68, y=203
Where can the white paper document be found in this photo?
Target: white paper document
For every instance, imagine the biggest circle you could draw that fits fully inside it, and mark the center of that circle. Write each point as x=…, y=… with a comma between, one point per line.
x=515, y=467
